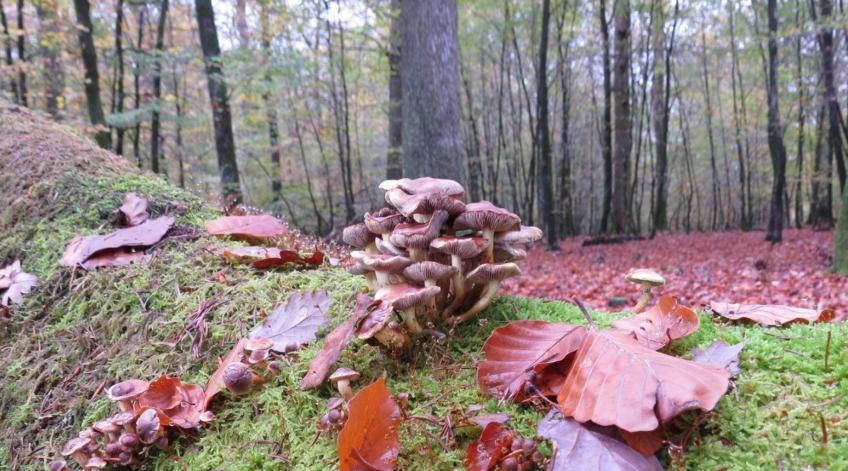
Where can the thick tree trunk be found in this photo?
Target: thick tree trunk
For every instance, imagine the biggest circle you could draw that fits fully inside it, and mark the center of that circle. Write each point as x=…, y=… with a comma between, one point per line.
x=606, y=123
x=432, y=139
x=220, y=103
x=545, y=174
x=85, y=33
x=394, y=164
x=775, y=137
x=623, y=138
x=157, y=87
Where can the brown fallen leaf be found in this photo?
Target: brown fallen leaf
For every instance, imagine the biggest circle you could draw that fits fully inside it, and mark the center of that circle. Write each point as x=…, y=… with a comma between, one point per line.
x=16, y=284
x=662, y=323
x=770, y=314
x=133, y=211
x=257, y=227
x=720, y=354
x=617, y=381
x=517, y=350
x=114, y=258
x=295, y=323
x=81, y=248
x=181, y=403
x=493, y=444
x=268, y=257
x=334, y=343
x=484, y=420
x=215, y=384
x=369, y=438
x=578, y=447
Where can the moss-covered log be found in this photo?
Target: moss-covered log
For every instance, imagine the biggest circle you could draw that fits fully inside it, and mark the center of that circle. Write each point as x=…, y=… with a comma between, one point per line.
x=82, y=331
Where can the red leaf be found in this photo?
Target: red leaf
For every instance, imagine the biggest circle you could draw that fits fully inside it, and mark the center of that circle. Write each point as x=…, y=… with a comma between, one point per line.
x=334, y=343
x=181, y=403
x=514, y=351
x=295, y=323
x=720, y=354
x=254, y=227
x=134, y=210
x=493, y=445
x=216, y=382
x=617, y=381
x=771, y=314
x=369, y=438
x=289, y=256
x=192, y=403
x=82, y=248
x=162, y=394
x=578, y=447
x=662, y=323
x=646, y=443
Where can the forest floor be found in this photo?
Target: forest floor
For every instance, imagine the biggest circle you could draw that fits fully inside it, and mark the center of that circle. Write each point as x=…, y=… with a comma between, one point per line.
x=731, y=266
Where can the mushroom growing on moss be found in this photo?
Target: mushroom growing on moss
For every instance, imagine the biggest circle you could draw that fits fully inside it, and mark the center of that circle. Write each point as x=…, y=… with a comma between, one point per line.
x=488, y=218
x=404, y=299
x=417, y=237
x=342, y=378
x=360, y=237
x=647, y=279
x=149, y=426
x=238, y=378
x=76, y=448
x=491, y=274
x=459, y=249
x=125, y=391
x=429, y=273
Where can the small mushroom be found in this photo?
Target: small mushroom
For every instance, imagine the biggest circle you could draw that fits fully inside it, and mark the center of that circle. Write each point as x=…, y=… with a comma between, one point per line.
x=258, y=343
x=125, y=420
x=128, y=441
x=417, y=237
x=425, y=185
x=524, y=236
x=76, y=448
x=360, y=237
x=238, y=378
x=342, y=378
x=95, y=462
x=459, y=249
x=383, y=265
x=647, y=279
x=404, y=299
x=149, y=426
x=429, y=273
x=109, y=428
x=491, y=274
x=382, y=222
x=125, y=391
x=59, y=465
x=488, y=218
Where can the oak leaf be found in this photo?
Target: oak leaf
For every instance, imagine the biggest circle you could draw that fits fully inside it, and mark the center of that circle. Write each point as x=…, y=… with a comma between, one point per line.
x=770, y=314
x=369, y=438
x=662, y=323
x=720, y=354
x=253, y=227
x=180, y=402
x=296, y=322
x=493, y=444
x=81, y=248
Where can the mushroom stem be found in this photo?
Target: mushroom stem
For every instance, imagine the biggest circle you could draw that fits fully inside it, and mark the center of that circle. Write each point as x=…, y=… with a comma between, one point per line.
x=393, y=339
x=416, y=255
x=345, y=389
x=125, y=405
x=382, y=278
x=372, y=280
x=489, y=235
x=485, y=299
x=432, y=314
x=421, y=218
x=410, y=321
x=371, y=248
x=644, y=299
x=458, y=284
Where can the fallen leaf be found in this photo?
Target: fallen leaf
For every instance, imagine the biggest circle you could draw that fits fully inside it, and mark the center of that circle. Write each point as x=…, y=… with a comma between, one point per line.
x=186, y=415
x=8, y=272
x=268, y=257
x=770, y=314
x=662, y=323
x=289, y=256
x=488, y=450
x=617, y=381
x=113, y=258
x=255, y=227
x=133, y=210
x=295, y=323
x=82, y=248
x=334, y=343
x=484, y=420
x=720, y=354
x=16, y=283
x=517, y=350
x=216, y=381
x=578, y=447
x=162, y=394
x=646, y=443
x=369, y=438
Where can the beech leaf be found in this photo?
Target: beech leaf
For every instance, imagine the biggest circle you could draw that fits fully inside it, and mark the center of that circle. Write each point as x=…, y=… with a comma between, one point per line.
x=617, y=381
x=578, y=447
x=16, y=283
x=216, y=381
x=268, y=257
x=770, y=314
x=369, y=438
x=253, y=227
x=113, y=258
x=296, y=322
x=492, y=445
x=720, y=354
x=662, y=323
x=518, y=349
x=81, y=248
x=180, y=402
x=134, y=210
x=334, y=343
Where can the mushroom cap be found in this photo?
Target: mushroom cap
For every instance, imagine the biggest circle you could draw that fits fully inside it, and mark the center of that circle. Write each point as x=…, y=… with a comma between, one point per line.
x=344, y=374
x=106, y=426
x=462, y=247
x=357, y=235
x=524, y=235
x=404, y=296
x=408, y=204
x=122, y=418
x=95, y=462
x=645, y=276
x=422, y=271
x=258, y=343
x=389, y=248
x=507, y=253
x=425, y=185
x=419, y=236
x=379, y=314
x=483, y=215
x=487, y=272
x=237, y=377
x=128, y=440
x=258, y=356
x=383, y=221
x=386, y=263
x=126, y=390
x=74, y=445
x=147, y=426
x=59, y=465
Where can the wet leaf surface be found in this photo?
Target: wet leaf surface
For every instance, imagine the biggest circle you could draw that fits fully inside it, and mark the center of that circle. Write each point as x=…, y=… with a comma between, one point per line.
x=82, y=248
x=661, y=323
x=720, y=354
x=369, y=438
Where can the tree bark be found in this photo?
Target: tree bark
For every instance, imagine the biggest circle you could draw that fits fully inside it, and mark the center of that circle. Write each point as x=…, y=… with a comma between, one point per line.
x=394, y=164
x=23, y=98
x=834, y=136
x=137, y=85
x=840, y=238
x=660, y=97
x=775, y=137
x=432, y=140
x=219, y=100
x=566, y=188
x=50, y=49
x=157, y=87
x=270, y=110
x=717, y=214
x=7, y=46
x=545, y=174
x=85, y=33
x=735, y=76
x=623, y=138
x=119, y=87
x=606, y=123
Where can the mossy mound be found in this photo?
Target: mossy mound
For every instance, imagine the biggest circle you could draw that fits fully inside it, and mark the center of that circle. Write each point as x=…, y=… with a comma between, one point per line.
x=80, y=332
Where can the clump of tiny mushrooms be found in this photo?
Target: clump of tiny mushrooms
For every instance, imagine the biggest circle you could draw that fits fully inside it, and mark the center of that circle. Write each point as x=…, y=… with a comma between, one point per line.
x=431, y=258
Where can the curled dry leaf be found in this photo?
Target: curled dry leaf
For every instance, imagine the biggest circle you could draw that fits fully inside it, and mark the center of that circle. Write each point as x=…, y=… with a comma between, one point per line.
x=296, y=322
x=82, y=248
x=334, y=343
x=134, y=210
x=517, y=350
x=662, y=323
x=254, y=227
x=488, y=450
x=578, y=447
x=268, y=257
x=770, y=314
x=617, y=381
x=216, y=381
x=369, y=439
x=720, y=354
x=16, y=284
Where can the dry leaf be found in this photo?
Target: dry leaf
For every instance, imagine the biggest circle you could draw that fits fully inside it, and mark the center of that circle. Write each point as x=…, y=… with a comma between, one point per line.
x=770, y=314
x=488, y=450
x=662, y=323
x=216, y=382
x=81, y=248
x=369, y=438
x=114, y=258
x=16, y=284
x=484, y=420
x=255, y=227
x=720, y=354
x=181, y=403
x=134, y=210
x=295, y=323
x=268, y=257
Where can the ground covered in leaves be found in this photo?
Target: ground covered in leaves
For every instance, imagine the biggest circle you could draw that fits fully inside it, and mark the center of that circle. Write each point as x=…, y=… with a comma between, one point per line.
x=81, y=332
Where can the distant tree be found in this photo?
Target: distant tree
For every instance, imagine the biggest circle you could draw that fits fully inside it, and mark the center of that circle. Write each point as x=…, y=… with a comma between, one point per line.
x=219, y=99
x=775, y=133
x=7, y=47
x=546, y=193
x=606, y=121
x=394, y=164
x=22, y=77
x=85, y=33
x=270, y=110
x=155, y=122
x=119, y=92
x=50, y=42
x=623, y=132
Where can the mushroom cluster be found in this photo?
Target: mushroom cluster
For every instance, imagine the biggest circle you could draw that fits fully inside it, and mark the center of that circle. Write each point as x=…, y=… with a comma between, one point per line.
x=431, y=258
x=255, y=366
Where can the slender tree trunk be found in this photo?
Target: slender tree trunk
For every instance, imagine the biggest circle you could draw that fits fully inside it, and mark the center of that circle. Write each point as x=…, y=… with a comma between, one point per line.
x=472, y=147
x=137, y=85
x=606, y=123
x=270, y=110
x=799, y=184
x=775, y=137
x=546, y=194
x=92, y=78
x=834, y=136
x=567, y=225
x=660, y=96
x=840, y=238
x=821, y=196
x=219, y=100
x=157, y=87
x=432, y=140
x=7, y=46
x=178, y=127
x=744, y=213
x=717, y=216
x=394, y=162
x=23, y=98
x=623, y=125
x=119, y=88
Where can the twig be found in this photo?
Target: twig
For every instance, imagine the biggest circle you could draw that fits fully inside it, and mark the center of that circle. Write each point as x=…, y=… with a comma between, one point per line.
x=823, y=428
x=586, y=314
x=827, y=352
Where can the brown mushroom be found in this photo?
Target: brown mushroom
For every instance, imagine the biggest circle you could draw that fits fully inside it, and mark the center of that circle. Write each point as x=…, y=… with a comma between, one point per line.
x=383, y=266
x=459, y=249
x=491, y=274
x=149, y=426
x=425, y=185
x=238, y=378
x=417, y=237
x=76, y=448
x=429, y=273
x=488, y=218
x=128, y=441
x=125, y=391
x=382, y=222
x=95, y=462
x=108, y=428
x=524, y=236
x=647, y=279
x=357, y=235
x=404, y=299
x=342, y=378
x=59, y=465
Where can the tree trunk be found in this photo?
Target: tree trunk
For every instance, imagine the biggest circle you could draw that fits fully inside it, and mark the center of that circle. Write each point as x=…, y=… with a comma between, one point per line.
x=22, y=78
x=717, y=216
x=137, y=85
x=821, y=196
x=157, y=87
x=775, y=137
x=85, y=32
x=606, y=123
x=566, y=188
x=799, y=184
x=429, y=63
x=119, y=57
x=394, y=164
x=219, y=101
x=834, y=135
x=7, y=46
x=660, y=97
x=270, y=110
x=744, y=213
x=545, y=174
x=50, y=49
x=840, y=238
x=623, y=132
